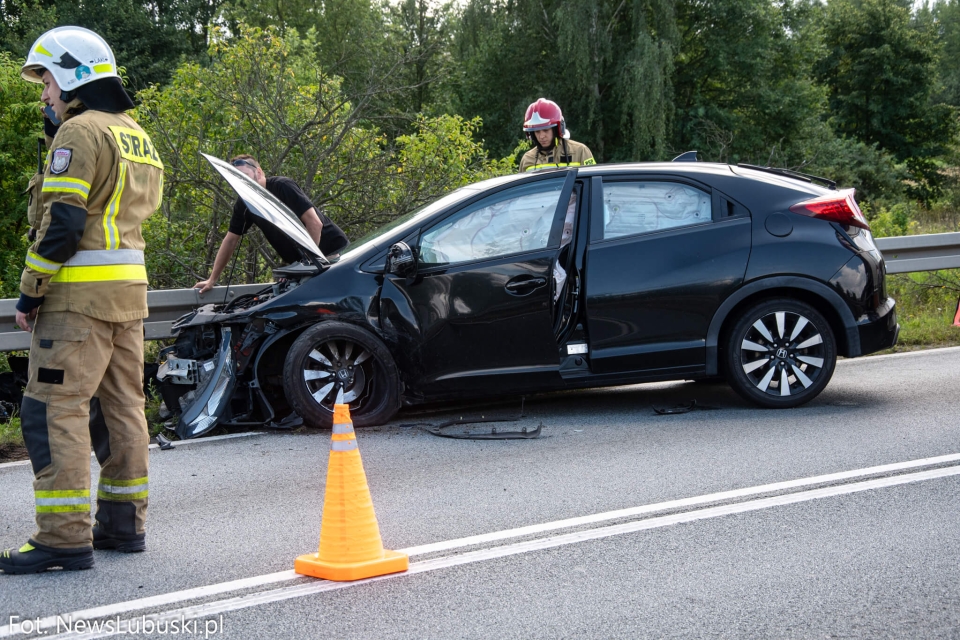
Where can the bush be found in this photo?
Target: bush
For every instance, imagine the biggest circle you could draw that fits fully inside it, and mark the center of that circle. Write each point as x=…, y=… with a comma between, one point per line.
x=268, y=96
x=20, y=126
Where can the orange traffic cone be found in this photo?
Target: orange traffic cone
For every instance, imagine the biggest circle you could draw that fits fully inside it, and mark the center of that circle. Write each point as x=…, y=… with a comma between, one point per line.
x=350, y=544
x=956, y=319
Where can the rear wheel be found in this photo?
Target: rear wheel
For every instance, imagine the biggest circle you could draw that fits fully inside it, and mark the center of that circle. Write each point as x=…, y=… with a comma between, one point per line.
x=780, y=353
x=331, y=356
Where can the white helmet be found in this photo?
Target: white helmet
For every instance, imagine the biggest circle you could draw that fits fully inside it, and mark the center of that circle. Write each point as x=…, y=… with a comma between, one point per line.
x=74, y=55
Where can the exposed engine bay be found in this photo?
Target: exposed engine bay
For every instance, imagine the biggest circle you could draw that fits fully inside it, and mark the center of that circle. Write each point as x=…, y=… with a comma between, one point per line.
x=226, y=367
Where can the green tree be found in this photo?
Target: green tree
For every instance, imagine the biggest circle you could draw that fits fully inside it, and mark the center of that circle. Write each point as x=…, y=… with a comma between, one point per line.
x=879, y=67
x=148, y=38
x=606, y=62
x=946, y=15
x=349, y=34
x=21, y=21
x=743, y=87
x=192, y=19
x=267, y=95
x=872, y=171
x=393, y=56
x=146, y=46
x=500, y=51
x=20, y=128
x=420, y=39
x=618, y=59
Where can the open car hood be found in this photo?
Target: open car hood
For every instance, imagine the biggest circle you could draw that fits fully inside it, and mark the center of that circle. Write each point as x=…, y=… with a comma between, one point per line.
x=266, y=206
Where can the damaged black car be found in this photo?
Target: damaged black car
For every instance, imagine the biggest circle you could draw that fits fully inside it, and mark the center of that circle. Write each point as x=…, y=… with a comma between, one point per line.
x=570, y=278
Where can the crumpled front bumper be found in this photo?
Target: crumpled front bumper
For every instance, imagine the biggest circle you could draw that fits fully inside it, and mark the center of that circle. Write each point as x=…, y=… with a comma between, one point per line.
x=213, y=397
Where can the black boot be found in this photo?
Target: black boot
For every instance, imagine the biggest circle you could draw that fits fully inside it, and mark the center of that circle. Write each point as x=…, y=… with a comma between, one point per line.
x=124, y=544
x=115, y=527
x=34, y=558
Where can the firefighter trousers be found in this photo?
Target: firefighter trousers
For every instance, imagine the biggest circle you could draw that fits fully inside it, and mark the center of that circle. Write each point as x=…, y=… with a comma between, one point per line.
x=72, y=358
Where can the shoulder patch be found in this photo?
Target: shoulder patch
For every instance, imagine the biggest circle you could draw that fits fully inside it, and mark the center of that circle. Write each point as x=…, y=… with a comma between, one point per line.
x=61, y=160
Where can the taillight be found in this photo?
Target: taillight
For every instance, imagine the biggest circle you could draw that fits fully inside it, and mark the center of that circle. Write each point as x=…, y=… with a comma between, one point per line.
x=835, y=207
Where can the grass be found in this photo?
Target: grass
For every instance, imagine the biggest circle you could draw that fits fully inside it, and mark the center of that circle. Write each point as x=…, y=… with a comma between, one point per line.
x=11, y=441
x=926, y=301
x=154, y=421
x=926, y=306
x=10, y=433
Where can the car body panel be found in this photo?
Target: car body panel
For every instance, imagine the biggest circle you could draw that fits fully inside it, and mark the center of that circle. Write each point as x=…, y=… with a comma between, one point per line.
x=471, y=328
x=635, y=303
x=650, y=296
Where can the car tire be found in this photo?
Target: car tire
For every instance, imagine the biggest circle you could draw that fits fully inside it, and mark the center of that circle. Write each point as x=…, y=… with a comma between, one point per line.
x=332, y=354
x=780, y=353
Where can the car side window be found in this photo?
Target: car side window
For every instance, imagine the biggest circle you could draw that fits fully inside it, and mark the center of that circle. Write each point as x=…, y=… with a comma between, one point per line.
x=512, y=221
x=638, y=206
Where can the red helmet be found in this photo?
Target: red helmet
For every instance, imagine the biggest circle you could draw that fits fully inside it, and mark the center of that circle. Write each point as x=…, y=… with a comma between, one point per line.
x=543, y=114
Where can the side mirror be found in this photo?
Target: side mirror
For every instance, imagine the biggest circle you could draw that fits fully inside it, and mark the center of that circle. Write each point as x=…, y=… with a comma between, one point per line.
x=401, y=260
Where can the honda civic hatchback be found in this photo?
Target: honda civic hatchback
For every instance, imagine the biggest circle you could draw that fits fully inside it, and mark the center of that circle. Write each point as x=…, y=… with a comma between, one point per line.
x=563, y=279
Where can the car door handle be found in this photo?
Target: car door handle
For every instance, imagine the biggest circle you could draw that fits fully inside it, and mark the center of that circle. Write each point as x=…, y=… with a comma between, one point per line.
x=525, y=284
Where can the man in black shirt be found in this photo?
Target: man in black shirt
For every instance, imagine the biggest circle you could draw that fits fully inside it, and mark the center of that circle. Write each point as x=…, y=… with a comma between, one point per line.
x=328, y=236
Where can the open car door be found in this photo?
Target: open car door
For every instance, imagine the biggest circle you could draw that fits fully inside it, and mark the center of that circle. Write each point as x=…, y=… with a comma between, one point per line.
x=481, y=305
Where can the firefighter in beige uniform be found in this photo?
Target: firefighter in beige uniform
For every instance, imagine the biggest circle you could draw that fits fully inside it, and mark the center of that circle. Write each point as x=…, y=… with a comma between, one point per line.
x=544, y=125
x=86, y=269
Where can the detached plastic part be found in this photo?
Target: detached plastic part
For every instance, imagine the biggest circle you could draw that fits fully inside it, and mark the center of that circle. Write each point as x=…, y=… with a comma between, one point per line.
x=202, y=415
x=683, y=408
x=523, y=434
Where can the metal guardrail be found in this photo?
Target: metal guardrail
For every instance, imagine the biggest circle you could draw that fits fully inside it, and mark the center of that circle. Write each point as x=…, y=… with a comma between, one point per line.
x=906, y=254
x=165, y=307
x=903, y=254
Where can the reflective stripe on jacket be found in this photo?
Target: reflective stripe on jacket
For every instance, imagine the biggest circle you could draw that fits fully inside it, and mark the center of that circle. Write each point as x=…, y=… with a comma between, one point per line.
x=102, y=180
x=567, y=153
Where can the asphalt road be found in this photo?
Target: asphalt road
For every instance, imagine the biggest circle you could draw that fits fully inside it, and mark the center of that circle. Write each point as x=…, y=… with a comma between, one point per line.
x=858, y=536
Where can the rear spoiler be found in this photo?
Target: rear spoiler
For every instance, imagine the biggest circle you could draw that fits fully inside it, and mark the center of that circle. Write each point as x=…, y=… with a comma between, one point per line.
x=806, y=177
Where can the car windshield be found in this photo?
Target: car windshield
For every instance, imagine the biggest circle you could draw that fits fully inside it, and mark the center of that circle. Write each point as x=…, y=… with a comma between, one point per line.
x=451, y=198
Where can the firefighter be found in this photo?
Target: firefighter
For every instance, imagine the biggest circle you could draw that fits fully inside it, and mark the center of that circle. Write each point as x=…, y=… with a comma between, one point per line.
x=85, y=286
x=545, y=127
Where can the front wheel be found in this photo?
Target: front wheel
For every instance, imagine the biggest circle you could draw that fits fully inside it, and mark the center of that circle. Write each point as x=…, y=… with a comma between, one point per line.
x=331, y=356
x=780, y=353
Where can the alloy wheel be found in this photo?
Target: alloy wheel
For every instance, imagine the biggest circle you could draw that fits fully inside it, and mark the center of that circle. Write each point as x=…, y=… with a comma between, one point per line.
x=335, y=365
x=783, y=353
x=780, y=353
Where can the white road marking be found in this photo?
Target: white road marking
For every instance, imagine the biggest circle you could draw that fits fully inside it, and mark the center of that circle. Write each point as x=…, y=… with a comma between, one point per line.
x=111, y=610
x=679, y=504
x=901, y=354
x=209, y=609
x=176, y=444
